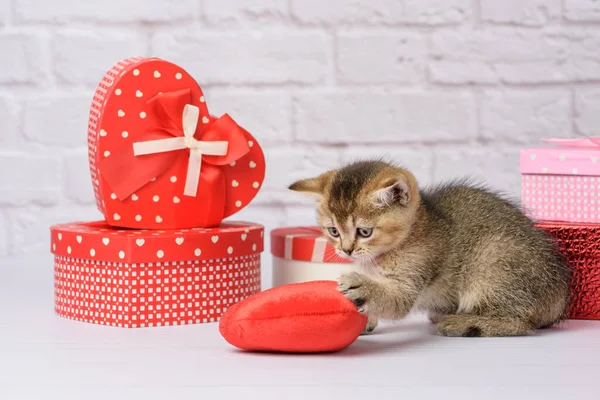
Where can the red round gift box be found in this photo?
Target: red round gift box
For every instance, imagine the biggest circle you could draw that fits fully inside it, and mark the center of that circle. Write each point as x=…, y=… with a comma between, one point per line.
x=143, y=278
x=302, y=254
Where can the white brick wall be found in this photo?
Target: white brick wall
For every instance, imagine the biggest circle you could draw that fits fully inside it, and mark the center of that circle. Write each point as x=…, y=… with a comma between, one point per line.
x=445, y=87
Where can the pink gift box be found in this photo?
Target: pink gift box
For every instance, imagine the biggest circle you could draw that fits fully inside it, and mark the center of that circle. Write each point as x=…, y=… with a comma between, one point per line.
x=562, y=183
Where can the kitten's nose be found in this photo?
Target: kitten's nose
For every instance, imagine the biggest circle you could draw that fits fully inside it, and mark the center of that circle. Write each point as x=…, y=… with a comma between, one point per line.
x=349, y=252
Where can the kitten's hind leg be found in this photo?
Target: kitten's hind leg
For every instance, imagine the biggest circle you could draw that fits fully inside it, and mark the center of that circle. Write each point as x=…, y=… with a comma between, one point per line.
x=475, y=325
x=371, y=325
x=435, y=317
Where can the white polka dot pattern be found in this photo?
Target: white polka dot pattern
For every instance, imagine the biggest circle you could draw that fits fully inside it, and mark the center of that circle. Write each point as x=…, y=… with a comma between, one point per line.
x=135, y=246
x=96, y=110
x=116, y=122
x=561, y=197
x=152, y=294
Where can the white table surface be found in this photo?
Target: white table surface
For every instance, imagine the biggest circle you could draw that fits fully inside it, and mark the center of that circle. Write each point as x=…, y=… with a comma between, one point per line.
x=43, y=356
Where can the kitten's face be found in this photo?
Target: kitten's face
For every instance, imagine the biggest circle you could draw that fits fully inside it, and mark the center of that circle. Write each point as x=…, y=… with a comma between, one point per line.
x=363, y=235
x=364, y=209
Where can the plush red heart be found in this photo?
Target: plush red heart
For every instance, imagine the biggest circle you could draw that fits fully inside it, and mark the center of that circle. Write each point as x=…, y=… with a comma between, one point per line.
x=146, y=100
x=308, y=317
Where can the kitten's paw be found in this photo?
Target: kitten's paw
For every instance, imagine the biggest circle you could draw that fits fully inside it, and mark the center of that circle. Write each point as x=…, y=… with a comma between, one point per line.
x=458, y=326
x=479, y=325
x=371, y=325
x=355, y=287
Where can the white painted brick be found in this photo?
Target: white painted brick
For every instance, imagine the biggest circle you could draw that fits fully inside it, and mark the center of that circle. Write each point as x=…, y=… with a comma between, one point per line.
x=5, y=242
x=269, y=217
x=106, y=10
x=582, y=10
x=368, y=117
x=418, y=160
x=513, y=55
x=534, y=72
x=365, y=57
x=57, y=119
x=266, y=115
x=435, y=12
x=587, y=106
x=524, y=12
x=287, y=164
x=347, y=11
x=495, y=44
x=223, y=11
x=430, y=12
x=9, y=127
x=31, y=225
x=258, y=44
x=525, y=116
x=29, y=178
x=83, y=57
x=496, y=167
x=300, y=216
x=28, y=57
x=249, y=57
x=5, y=10
x=78, y=182
x=463, y=72
x=572, y=70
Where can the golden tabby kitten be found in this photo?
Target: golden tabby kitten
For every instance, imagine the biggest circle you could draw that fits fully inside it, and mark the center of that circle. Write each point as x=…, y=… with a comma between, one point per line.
x=471, y=259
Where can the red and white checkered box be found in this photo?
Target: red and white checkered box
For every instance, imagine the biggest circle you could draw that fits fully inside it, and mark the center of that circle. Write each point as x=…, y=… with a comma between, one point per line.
x=144, y=278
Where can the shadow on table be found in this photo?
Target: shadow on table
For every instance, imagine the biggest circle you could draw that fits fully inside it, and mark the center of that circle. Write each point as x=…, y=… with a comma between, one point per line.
x=389, y=338
x=403, y=327
x=394, y=338
x=372, y=347
x=359, y=348
x=398, y=337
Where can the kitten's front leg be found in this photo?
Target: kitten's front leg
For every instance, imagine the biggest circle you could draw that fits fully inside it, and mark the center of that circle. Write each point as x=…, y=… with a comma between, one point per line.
x=359, y=289
x=381, y=298
x=356, y=289
x=371, y=325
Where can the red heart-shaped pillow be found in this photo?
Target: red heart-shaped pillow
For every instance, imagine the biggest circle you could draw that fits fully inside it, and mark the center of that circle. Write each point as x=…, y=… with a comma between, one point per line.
x=144, y=100
x=308, y=317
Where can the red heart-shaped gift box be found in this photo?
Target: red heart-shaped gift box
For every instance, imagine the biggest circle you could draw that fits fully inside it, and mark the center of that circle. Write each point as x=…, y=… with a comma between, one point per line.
x=158, y=159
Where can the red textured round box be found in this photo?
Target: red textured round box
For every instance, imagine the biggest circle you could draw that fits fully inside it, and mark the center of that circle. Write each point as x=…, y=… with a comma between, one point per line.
x=145, y=278
x=580, y=244
x=302, y=254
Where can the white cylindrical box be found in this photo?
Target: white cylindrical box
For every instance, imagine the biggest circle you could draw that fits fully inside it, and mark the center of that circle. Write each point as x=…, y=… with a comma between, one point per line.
x=292, y=271
x=302, y=254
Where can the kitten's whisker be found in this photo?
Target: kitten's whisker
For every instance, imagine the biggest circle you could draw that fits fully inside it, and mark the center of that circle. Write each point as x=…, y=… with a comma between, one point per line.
x=371, y=262
x=374, y=261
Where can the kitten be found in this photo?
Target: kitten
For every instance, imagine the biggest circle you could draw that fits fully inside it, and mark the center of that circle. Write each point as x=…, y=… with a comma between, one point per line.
x=465, y=255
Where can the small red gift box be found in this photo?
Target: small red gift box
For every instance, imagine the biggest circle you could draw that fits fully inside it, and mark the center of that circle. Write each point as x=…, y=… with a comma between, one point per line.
x=142, y=278
x=580, y=243
x=158, y=159
x=302, y=254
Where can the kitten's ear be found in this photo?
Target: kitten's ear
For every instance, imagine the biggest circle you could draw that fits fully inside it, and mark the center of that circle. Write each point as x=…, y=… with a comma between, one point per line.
x=392, y=191
x=314, y=187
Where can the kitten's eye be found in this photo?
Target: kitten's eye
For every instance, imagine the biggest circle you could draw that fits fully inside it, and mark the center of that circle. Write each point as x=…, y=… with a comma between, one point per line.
x=333, y=232
x=364, y=232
